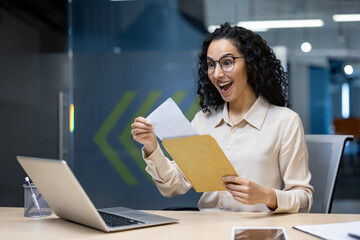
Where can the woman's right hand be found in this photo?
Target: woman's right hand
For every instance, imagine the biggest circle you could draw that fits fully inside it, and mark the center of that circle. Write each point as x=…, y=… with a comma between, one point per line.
x=142, y=132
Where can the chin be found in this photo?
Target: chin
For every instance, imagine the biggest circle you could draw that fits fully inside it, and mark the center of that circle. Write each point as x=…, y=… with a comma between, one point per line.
x=226, y=99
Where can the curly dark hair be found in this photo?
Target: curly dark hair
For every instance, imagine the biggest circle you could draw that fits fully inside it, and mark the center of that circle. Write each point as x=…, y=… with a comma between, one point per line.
x=265, y=74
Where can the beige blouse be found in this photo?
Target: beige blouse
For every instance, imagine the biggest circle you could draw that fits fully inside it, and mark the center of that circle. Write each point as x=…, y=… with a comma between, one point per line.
x=267, y=146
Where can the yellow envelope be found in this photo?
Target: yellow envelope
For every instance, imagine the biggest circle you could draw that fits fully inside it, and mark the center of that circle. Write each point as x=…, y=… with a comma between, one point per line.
x=201, y=160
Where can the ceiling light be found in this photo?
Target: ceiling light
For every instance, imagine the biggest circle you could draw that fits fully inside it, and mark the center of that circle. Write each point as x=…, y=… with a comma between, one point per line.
x=346, y=17
x=299, y=23
x=212, y=28
x=348, y=69
x=306, y=47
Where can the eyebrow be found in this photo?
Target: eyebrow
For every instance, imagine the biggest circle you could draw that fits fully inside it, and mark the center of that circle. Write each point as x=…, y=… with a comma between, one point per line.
x=225, y=55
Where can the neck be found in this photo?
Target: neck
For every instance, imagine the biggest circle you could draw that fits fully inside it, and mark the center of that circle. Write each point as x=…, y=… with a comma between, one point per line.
x=239, y=107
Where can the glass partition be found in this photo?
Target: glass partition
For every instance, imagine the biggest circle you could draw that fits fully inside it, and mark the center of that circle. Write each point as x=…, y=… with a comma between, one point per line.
x=127, y=58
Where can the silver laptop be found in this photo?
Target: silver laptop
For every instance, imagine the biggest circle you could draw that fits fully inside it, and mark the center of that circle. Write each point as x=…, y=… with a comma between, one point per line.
x=68, y=200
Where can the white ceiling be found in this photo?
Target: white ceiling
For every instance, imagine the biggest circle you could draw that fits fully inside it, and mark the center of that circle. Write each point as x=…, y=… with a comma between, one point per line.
x=335, y=40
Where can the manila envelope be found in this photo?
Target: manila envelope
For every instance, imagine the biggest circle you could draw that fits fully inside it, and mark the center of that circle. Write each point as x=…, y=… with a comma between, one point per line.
x=201, y=160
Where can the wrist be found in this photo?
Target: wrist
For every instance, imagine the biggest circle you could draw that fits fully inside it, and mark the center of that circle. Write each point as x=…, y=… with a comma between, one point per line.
x=149, y=149
x=271, y=200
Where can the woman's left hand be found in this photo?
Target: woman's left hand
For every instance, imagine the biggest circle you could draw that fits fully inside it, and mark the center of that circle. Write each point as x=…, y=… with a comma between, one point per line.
x=250, y=193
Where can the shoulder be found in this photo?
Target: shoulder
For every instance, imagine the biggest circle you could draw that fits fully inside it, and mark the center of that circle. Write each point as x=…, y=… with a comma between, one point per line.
x=202, y=118
x=284, y=118
x=273, y=112
x=208, y=116
x=289, y=123
x=283, y=113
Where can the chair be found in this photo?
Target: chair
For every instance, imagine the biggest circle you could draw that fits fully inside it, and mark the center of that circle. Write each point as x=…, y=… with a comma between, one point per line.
x=325, y=152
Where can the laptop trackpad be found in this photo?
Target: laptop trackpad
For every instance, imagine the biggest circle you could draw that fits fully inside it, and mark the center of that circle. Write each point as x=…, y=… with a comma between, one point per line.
x=130, y=213
x=135, y=215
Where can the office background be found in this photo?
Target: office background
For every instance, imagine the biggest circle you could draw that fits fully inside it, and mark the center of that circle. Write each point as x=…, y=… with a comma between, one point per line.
x=114, y=60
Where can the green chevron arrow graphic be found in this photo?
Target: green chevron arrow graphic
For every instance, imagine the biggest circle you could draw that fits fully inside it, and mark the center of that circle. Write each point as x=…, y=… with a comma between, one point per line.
x=179, y=96
x=194, y=108
x=106, y=149
x=125, y=137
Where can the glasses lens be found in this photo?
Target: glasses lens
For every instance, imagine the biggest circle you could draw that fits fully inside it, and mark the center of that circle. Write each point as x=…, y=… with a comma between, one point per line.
x=204, y=67
x=208, y=66
x=227, y=64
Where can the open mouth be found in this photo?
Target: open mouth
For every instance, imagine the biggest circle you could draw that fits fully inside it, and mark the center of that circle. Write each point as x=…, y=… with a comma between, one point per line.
x=225, y=86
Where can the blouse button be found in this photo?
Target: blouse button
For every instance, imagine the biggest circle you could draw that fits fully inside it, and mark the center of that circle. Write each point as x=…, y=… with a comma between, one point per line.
x=233, y=130
x=221, y=204
x=228, y=147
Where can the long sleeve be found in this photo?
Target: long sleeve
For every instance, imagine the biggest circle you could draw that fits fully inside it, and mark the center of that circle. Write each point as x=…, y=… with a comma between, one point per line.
x=166, y=174
x=293, y=161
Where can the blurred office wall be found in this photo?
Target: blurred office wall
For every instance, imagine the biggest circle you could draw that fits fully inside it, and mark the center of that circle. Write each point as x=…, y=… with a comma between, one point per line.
x=33, y=69
x=30, y=85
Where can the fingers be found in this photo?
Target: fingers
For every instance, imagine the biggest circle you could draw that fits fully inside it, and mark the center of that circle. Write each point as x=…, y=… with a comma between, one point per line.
x=142, y=136
x=237, y=187
x=236, y=180
x=238, y=194
x=139, y=131
x=241, y=194
x=142, y=132
x=141, y=125
x=143, y=121
x=243, y=190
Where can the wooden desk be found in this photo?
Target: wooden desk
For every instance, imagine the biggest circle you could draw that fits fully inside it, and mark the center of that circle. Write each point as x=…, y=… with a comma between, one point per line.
x=192, y=225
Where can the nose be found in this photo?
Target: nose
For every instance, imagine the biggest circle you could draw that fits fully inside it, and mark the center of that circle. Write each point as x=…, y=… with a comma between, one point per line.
x=218, y=72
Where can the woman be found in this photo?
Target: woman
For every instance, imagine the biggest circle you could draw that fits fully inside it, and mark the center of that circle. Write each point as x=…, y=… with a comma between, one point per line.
x=242, y=89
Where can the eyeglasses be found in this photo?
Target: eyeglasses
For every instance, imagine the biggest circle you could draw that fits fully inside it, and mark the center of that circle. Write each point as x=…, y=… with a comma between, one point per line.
x=227, y=64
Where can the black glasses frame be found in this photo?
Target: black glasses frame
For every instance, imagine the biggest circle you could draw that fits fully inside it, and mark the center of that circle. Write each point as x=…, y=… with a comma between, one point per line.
x=204, y=64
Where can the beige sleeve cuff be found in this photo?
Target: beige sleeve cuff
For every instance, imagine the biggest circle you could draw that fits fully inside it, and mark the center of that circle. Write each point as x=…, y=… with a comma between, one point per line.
x=167, y=176
x=293, y=201
x=158, y=166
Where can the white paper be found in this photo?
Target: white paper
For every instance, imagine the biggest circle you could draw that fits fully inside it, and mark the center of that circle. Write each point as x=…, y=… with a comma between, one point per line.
x=170, y=122
x=338, y=231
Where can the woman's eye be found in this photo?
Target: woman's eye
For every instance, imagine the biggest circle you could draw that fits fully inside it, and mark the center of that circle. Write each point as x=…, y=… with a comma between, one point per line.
x=210, y=64
x=227, y=62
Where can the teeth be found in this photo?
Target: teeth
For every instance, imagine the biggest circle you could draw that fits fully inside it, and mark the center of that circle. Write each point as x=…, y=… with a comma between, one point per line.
x=223, y=84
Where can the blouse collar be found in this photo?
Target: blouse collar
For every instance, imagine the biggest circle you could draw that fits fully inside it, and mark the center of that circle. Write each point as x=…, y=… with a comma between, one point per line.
x=255, y=116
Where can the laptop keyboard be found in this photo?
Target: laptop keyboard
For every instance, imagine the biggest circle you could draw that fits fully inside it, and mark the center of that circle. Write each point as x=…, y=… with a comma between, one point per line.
x=113, y=220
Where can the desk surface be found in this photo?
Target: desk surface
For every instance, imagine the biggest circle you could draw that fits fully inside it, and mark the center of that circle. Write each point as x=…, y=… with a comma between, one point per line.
x=192, y=225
